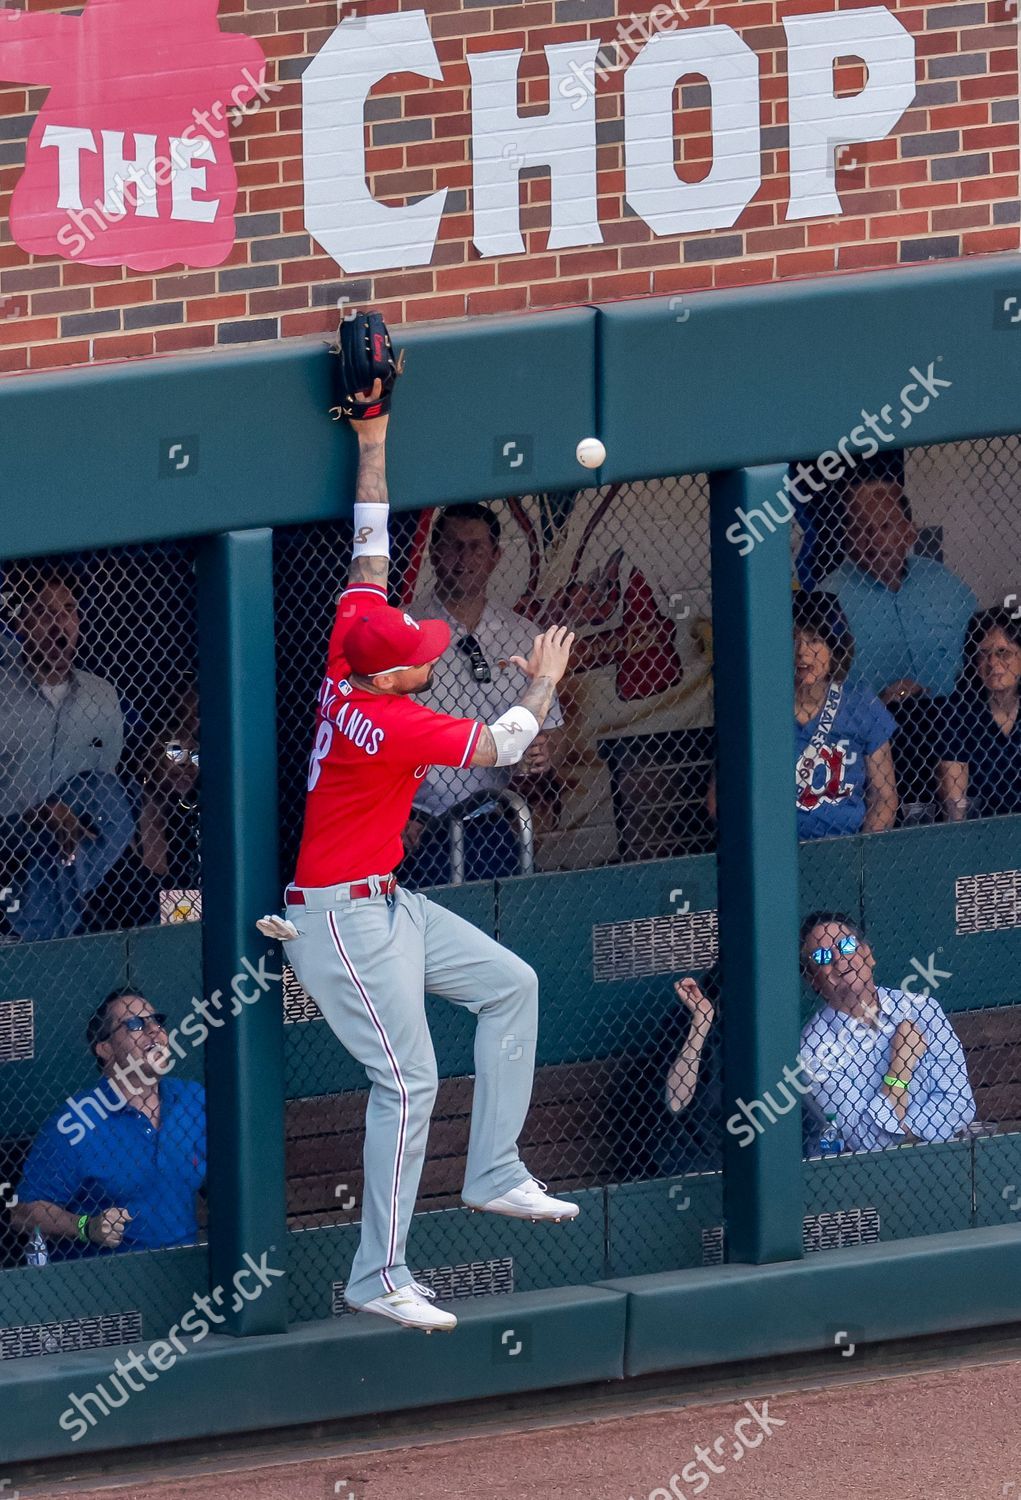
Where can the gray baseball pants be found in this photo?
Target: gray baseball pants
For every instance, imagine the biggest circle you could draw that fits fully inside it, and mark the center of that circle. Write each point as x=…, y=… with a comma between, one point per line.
x=368, y=963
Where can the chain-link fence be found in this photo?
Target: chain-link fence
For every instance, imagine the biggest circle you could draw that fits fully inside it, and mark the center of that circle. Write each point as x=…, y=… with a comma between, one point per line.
x=907, y=665
x=892, y=575
x=102, y=1112
x=906, y=585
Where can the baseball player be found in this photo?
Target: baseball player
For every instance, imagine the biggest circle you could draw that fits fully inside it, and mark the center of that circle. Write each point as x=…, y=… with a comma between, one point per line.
x=368, y=950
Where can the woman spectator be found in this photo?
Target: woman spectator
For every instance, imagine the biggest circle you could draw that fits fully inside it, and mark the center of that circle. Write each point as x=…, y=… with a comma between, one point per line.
x=844, y=778
x=844, y=775
x=980, y=759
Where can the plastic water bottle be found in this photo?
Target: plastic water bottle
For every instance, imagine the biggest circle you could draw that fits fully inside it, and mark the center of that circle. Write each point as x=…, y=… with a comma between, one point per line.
x=37, y=1254
x=831, y=1142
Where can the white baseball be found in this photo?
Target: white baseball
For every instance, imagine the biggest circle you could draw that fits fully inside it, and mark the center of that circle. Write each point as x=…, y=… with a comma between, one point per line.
x=590, y=453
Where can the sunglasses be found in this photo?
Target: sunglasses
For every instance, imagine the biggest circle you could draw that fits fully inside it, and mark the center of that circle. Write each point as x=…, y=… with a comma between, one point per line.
x=823, y=957
x=470, y=648
x=139, y=1023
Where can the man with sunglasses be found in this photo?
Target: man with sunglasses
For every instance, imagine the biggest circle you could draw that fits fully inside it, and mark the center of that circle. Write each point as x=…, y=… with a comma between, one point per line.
x=120, y=1168
x=475, y=678
x=887, y=1063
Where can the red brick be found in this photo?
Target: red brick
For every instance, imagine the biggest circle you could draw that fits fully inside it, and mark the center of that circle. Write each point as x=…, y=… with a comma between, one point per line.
x=504, y=300
x=28, y=330
x=55, y=356
x=951, y=116
x=125, y=294
x=553, y=293
x=13, y=360
x=71, y=299
x=217, y=309
x=984, y=137
x=514, y=268
x=805, y=262
x=75, y=274
x=465, y=278
x=694, y=278
x=898, y=226
x=790, y=237
x=633, y=284
x=932, y=195
x=740, y=272
x=172, y=340
x=122, y=345
x=320, y=269
x=984, y=242
x=971, y=216
x=859, y=257
x=836, y=231
x=278, y=299
x=429, y=309
x=987, y=189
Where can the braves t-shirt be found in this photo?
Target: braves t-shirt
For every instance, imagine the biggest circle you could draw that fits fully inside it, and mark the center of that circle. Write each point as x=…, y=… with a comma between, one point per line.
x=831, y=791
x=370, y=753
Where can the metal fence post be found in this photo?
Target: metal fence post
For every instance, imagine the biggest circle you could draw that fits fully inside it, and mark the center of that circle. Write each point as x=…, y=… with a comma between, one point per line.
x=757, y=862
x=240, y=881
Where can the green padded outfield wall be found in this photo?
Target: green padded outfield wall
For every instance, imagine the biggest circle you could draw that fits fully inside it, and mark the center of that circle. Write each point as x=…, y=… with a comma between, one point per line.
x=787, y=386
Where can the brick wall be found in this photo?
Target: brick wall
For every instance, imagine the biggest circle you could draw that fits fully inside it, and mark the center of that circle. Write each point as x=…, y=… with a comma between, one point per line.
x=943, y=184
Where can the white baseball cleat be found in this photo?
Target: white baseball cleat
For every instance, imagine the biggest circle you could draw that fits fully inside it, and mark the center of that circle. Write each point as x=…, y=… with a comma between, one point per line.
x=409, y=1307
x=529, y=1200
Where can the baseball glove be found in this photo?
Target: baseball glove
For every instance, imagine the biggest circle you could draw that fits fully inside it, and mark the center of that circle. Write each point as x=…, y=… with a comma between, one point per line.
x=366, y=355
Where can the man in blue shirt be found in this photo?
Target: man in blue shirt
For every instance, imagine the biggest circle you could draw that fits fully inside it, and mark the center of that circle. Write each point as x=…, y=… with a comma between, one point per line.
x=886, y=1063
x=908, y=614
x=120, y=1167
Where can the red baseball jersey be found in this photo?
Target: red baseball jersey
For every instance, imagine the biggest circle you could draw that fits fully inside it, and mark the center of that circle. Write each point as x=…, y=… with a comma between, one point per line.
x=371, y=751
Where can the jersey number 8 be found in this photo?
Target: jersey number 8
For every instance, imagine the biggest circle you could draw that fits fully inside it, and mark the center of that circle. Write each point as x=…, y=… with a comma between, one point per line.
x=320, y=750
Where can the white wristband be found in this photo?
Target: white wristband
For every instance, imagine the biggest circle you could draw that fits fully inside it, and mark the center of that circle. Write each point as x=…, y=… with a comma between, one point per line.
x=371, y=536
x=513, y=732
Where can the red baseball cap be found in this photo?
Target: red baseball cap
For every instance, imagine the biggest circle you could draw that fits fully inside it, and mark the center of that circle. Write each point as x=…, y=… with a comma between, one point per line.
x=388, y=639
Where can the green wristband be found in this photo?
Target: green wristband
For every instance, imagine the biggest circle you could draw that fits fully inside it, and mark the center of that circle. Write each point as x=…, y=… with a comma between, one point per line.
x=895, y=1083
x=83, y=1228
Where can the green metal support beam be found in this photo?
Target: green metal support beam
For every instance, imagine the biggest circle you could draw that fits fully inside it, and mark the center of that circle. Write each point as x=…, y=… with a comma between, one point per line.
x=244, y=1052
x=757, y=865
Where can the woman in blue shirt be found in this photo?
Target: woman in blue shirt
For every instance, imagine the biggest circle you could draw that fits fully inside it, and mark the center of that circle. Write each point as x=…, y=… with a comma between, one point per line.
x=980, y=757
x=844, y=777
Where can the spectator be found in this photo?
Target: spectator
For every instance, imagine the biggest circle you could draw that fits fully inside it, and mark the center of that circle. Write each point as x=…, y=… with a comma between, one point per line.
x=980, y=757
x=164, y=855
x=64, y=817
x=119, y=1169
x=908, y=614
x=475, y=678
x=885, y=1062
x=684, y=1074
x=844, y=777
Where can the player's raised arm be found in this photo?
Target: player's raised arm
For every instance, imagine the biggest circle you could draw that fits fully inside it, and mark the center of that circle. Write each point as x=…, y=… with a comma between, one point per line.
x=368, y=370
x=505, y=742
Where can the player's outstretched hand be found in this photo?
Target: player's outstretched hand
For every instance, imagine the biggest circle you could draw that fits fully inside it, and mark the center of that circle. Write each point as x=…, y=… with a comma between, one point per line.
x=368, y=372
x=550, y=654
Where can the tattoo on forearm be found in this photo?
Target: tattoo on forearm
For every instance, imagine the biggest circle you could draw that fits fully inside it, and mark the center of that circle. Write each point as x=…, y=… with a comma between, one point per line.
x=485, y=750
x=371, y=482
x=369, y=570
x=370, y=486
x=538, y=696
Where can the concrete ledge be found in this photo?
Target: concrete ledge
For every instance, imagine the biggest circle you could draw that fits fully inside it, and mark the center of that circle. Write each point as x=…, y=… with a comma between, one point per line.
x=870, y=1294
x=319, y=1372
